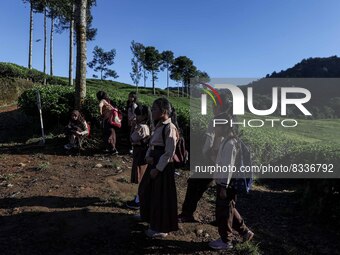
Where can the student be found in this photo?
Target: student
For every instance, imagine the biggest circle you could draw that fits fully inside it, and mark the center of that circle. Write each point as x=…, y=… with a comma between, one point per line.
x=227, y=216
x=139, y=139
x=109, y=133
x=197, y=186
x=157, y=191
x=76, y=128
x=131, y=105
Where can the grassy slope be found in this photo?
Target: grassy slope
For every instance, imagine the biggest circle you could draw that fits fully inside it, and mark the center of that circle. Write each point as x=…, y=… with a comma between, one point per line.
x=323, y=130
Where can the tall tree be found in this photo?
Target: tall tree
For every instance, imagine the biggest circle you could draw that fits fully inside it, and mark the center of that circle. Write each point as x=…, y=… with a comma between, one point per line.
x=202, y=76
x=45, y=40
x=30, y=47
x=81, y=22
x=167, y=61
x=138, y=52
x=55, y=11
x=136, y=72
x=71, y=43
x=152, y=63
x=33, y=7
x=51, y=44
x=184, y=69
x=137, y=63
x=66, y=21
x=101, y=62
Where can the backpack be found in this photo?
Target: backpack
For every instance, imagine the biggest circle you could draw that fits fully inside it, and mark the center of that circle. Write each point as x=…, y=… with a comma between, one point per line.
x=116, y=118
x=181, y=154
x=243, y=180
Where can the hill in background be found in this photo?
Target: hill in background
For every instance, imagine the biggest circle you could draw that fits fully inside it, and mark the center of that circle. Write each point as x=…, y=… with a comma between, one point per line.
x=325, y=101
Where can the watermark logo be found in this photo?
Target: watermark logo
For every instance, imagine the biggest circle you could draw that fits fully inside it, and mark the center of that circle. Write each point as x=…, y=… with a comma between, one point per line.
x=238, y=99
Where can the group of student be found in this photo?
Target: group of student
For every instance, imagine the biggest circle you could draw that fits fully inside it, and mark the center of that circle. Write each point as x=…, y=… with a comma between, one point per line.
x=153, y=135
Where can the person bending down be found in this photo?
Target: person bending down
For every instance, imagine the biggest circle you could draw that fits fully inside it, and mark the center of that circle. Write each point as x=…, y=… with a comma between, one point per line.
x=76, y=128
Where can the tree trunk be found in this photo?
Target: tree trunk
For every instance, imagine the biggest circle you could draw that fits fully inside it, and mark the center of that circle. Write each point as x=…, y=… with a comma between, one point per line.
x=187, y=86
x=183, y=88
x=144, y=77
x=70, y=70
x=51, y=45
x=80, y=90
x=30, y=47
x=45, y=43
x=167, y=80
x=153, y=83
x=177, y=89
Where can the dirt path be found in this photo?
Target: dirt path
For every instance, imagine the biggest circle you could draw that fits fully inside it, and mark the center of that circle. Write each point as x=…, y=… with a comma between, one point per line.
x=52, y=203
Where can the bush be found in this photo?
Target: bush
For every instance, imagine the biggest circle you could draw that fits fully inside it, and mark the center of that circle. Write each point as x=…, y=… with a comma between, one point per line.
x=56, y=102
x=11, y=88
x=9, y=70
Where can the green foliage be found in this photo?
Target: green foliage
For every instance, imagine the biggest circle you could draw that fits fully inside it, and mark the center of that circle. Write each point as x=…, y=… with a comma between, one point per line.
x=11, y=88
x=9, y=70
x=183, y=69
x=101, y=62
x=324, y=102
x=137, y=62
x=247, y=248
x=56, y=102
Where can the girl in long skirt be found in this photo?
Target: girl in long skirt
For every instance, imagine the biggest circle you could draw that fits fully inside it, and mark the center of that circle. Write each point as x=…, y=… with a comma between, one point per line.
x=157, y=191
x=140, y=137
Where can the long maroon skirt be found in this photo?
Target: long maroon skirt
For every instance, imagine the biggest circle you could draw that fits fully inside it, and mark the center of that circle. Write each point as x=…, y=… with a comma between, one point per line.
x=158, y=197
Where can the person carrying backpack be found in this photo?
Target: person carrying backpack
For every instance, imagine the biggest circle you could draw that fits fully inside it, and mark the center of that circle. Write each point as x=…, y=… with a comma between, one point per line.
x=197, y=186
x=227, y=216
x=180, y=157
x=111, y=119
x=157, y=190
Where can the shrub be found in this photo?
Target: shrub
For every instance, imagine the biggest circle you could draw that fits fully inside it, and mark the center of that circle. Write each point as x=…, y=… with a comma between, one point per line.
x=11, y=88
x=9, y=70
x=56, y=102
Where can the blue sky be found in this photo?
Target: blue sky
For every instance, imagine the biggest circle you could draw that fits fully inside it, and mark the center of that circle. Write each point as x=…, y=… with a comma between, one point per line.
x=226, y=38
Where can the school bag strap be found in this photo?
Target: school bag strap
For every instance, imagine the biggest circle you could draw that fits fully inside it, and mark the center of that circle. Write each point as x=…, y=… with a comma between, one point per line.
x=181, y=154
x=163, y=132
x=242, y=182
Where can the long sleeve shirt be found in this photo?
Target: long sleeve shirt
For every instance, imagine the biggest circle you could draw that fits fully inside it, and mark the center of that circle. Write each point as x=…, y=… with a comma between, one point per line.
x=226, y=157
x=140, y=133
x=83, y=127
x=171, y=138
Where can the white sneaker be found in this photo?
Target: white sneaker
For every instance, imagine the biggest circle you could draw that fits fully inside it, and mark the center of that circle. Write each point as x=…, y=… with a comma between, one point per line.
x=154, y=234
x=220, y=245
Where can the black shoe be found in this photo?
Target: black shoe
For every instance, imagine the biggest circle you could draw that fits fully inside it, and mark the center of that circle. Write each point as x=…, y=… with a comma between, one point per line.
x=132, y=205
